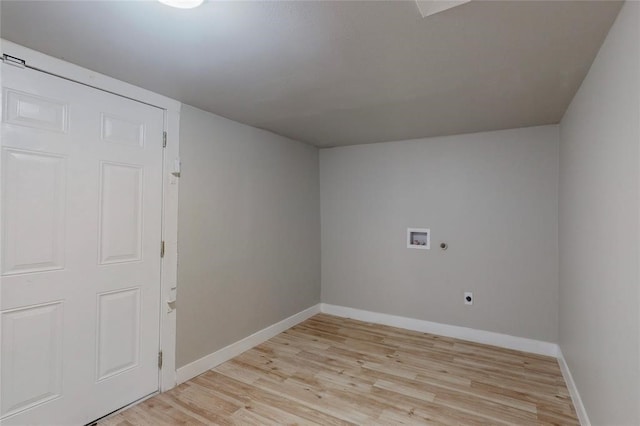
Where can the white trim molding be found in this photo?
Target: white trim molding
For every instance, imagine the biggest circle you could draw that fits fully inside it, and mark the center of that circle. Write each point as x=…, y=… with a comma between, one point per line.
x=172, y=108
x=464, y=333
x=573, y=390
x=216, y=358
x=169, y=279
x=473, y=335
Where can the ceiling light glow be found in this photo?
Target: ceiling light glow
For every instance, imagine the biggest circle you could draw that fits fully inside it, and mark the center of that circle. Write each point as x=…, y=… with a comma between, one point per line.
x=182, y=4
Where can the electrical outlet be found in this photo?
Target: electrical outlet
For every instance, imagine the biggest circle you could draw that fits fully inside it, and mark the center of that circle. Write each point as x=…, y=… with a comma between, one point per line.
x=468, y=298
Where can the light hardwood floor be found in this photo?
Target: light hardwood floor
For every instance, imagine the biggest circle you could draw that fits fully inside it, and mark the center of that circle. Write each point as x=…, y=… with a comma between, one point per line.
x=330, y=370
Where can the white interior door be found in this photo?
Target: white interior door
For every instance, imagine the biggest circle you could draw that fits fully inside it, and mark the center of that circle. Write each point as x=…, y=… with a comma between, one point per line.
x=81, y=198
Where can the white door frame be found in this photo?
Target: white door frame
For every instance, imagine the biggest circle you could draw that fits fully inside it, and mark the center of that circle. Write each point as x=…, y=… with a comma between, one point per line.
x=171, y=107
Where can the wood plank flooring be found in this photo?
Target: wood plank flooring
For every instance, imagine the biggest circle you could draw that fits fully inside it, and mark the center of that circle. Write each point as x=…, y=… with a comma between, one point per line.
x=335, y=371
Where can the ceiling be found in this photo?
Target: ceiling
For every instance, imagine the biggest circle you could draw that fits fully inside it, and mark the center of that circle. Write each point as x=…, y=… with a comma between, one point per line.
x=335, y=73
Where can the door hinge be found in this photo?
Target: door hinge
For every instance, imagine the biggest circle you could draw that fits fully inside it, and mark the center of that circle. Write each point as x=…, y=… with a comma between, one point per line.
x=164, y=139
x=160, y=360
x=12, y=60
x=162, y=249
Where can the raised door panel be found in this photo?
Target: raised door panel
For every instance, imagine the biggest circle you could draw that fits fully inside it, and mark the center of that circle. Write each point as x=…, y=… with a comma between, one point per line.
x=29, y=110
x=33, y=203
x=118, y=332
x=122, y=131
x=31, y=356
x=120, y=213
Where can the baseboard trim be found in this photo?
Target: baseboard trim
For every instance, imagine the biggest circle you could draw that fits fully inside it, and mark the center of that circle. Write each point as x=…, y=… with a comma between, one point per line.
x=573, y=390
x=464, y=333
x=216, y=358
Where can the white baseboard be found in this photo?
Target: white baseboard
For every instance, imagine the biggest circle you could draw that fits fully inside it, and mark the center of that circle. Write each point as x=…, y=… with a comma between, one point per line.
x=573, y=390
x=464, y=333
x=216, y=358
x=479, y=336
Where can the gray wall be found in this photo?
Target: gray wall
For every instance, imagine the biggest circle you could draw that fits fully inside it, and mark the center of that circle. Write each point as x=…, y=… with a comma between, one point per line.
x=491, y=196
x=599, y=232
x=249, y=232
